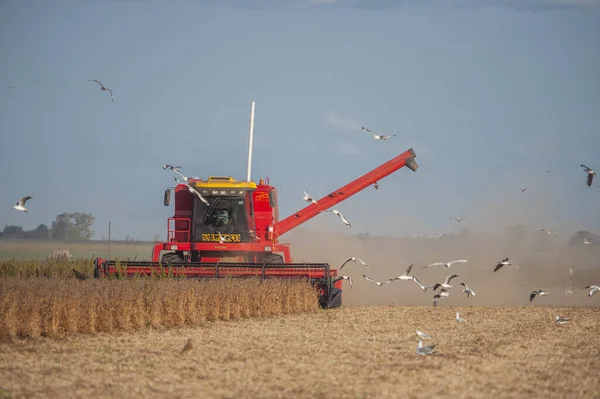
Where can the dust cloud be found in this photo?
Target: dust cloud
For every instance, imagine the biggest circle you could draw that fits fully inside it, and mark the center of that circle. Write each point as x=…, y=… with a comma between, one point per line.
x=540, y=260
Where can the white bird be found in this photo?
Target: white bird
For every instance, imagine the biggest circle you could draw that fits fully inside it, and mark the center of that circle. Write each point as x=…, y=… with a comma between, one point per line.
x=436, y=237
x=379, y=283
x=377, y=136
x=193, y=191
x=415, y=235
x=338, y=213
x=21, y=204
x=447, y=265
x=562, y=320
x=338, y=278
x=423, y=335
x=176, y=170
x=539, y=292
x=587, y=241
x=424, y=288
x=221, y=238
x=594, y=289
x=425, y=350
x=459, y=219
x=445, y=284
x=405, y=276
x=459, y=319
x=467, y=290
x=308, y=198
x=590, y=176
x=503, y=262
x=354, y=259
x=443, y=293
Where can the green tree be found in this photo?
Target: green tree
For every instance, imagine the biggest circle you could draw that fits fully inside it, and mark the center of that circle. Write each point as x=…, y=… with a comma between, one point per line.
x=12, y=231
x=42, y=232
x=73, y=226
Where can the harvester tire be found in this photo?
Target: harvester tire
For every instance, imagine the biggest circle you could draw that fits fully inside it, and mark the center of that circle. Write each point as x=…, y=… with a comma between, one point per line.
x=171, y=257
x=273, y=259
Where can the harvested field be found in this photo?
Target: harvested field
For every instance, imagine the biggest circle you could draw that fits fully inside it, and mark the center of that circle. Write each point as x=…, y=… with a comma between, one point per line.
x=38, y=250
x=54, y=307
x=355, y=352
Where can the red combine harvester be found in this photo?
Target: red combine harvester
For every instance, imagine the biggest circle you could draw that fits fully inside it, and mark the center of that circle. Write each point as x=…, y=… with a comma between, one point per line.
x=237, y=233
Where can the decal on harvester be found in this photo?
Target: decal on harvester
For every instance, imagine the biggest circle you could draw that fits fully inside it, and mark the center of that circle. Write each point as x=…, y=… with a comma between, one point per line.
x=261, y=196
x=207, y=237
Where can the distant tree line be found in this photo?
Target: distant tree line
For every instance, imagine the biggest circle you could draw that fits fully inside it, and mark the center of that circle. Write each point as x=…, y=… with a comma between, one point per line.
x=75, y=226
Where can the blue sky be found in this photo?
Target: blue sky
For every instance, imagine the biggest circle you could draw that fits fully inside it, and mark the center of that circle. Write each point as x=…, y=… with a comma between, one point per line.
x=489, y=95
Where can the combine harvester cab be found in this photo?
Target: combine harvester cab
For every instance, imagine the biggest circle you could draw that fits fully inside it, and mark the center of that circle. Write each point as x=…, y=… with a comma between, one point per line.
x=224, y=228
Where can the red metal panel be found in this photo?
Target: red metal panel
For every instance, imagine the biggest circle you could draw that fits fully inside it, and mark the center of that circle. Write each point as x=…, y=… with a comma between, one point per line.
x=263, y=211
x=343, y=193
x=184, y=205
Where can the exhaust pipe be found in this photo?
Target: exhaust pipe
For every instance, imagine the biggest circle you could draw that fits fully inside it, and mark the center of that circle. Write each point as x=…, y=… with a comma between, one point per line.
x=251, y=133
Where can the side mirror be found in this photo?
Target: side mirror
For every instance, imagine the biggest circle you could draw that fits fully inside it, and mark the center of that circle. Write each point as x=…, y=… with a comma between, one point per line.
x=167, y=199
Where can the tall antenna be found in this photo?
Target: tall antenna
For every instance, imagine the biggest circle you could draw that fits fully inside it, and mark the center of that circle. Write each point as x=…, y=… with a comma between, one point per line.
x=249, y=166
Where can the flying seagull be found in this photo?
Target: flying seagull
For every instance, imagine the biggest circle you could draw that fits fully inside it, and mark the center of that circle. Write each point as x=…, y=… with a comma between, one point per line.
x=523, y=190
x=436, y=237
x=424, y=288
x=562, y=320
x=379, y=283
x=193, y=190
x=21, y=204
x=405, y=276
x=446, y=265
x=423, y=335
x=503, y=262
x=459, y=319
x=539, y=292
x=459, y=219
x=443, y=293
x=353, y=259
x=103, y=88
x=335, y=211
x=587, y=241
x=338, y=278
x=378, y=136
x=308, y=198
x=425, y=350
x=467, y=290
x=176, y=170
x=445, y=284
x=593, y=289
x=590, y=176
x=10, y=87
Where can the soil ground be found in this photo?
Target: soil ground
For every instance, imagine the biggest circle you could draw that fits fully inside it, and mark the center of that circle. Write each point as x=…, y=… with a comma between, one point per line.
x=366, y=352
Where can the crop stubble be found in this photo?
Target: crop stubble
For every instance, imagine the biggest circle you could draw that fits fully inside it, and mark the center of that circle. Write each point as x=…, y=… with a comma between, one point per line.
x=352, y=352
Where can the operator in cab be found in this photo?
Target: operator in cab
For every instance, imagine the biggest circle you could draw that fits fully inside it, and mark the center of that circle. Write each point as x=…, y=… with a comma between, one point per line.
x=221, y=222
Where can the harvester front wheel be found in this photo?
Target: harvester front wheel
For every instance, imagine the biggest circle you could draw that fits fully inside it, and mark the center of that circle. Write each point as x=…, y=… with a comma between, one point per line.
x=171, y=257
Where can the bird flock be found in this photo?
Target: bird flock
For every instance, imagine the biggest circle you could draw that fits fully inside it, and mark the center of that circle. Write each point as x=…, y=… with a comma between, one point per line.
x=441, y=290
